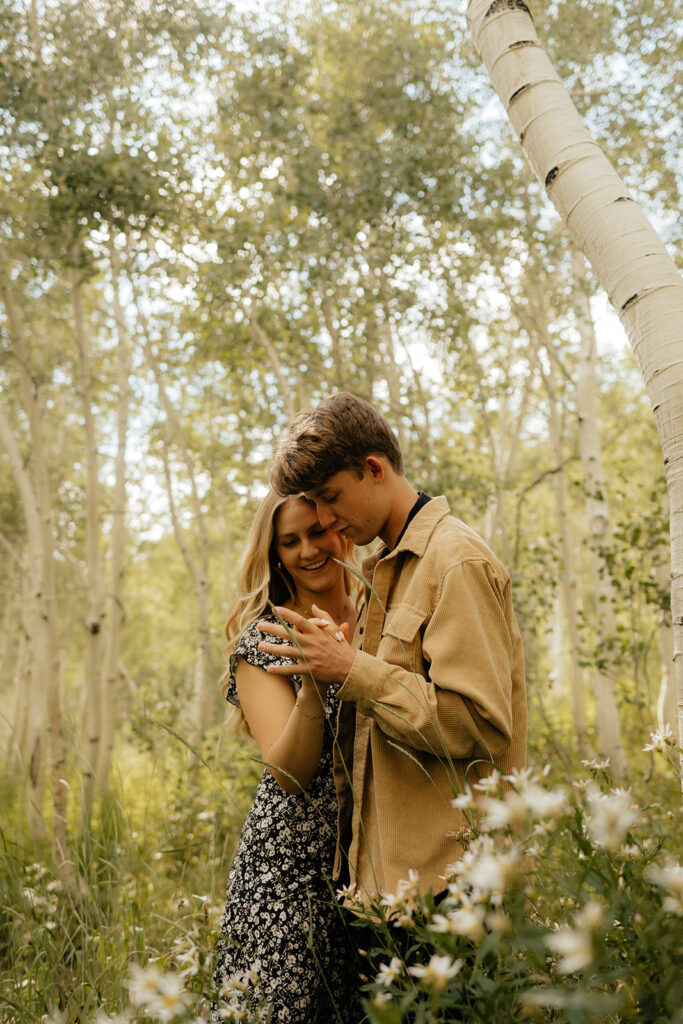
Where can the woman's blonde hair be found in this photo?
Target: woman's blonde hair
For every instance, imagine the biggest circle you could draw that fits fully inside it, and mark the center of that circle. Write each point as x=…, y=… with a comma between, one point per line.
x=262, y=580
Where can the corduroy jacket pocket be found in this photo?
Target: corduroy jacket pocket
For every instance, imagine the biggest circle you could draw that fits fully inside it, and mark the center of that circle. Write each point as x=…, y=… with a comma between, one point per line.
x=402, y=622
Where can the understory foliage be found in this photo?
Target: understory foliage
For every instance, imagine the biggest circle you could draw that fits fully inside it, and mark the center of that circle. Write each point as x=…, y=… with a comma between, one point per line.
x=567, y=905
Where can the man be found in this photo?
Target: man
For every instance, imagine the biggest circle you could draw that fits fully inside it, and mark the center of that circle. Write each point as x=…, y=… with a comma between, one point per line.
x=435, y=671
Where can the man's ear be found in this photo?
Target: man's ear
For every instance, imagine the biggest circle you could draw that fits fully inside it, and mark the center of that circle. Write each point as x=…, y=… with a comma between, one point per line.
x=375, y=467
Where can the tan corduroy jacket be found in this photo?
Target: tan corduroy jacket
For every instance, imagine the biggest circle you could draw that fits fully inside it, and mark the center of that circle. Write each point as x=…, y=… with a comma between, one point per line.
x=438, y=685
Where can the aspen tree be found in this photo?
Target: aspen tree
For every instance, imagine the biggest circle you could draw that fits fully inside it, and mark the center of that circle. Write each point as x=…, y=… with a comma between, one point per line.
x=32, y=481
x=568, y=576
x=173, y=433
x=112, y=675
x=626, y=253
x=94, y=584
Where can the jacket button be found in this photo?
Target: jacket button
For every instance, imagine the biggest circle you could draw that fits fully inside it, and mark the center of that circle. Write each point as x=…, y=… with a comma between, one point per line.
x=361, y=630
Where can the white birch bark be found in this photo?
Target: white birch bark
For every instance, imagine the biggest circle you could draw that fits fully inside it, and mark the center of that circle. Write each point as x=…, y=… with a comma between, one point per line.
x=608, y=227
x=599, y=530
x=112, y=677
x=666, y=700
x=568, y=575
x=198, y=567
x=32, y=480
x=94, y=595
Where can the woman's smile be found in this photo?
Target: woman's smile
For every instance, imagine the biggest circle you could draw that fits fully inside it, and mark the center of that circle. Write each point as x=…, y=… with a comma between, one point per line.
x=316, y=566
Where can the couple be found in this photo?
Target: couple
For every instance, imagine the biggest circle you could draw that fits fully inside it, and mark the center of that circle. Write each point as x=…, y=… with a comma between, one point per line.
x=371, y=718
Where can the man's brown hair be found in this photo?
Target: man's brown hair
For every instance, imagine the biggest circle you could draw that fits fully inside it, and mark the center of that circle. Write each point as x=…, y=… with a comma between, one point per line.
x=337, y=435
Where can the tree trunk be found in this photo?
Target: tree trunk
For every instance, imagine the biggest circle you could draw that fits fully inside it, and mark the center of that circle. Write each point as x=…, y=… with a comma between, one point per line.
x=666, y=702
x=609, y=228
x=198, y=568
x=32, y=480
x=599, y=532
x=94, y=596
x=111, y=673
x=569, y=579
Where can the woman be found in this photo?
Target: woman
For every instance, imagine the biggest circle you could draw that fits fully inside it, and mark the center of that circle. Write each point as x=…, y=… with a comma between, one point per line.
x=283, y=942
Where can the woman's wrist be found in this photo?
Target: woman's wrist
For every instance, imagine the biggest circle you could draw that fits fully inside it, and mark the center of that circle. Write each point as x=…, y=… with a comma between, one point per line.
x=310, y=705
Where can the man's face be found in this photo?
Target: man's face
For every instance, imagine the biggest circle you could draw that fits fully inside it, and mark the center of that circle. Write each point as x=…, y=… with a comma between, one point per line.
x=350, y=504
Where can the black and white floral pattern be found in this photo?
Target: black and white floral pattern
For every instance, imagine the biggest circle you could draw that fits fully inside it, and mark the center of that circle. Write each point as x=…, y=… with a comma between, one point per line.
x=279, y=896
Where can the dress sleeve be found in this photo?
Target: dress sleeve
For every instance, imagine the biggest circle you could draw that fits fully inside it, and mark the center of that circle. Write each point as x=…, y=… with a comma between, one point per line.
x=247, y=648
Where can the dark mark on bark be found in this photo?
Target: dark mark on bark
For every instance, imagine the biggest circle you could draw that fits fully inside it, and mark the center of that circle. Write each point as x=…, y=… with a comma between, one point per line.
x=517, y=92
x=507, y=5
x=523, y=42
x=629, y=302
x=623, y=199
x=551, y=175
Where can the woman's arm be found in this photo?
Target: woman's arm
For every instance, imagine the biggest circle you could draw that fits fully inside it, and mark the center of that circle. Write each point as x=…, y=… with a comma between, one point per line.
x=289, y=740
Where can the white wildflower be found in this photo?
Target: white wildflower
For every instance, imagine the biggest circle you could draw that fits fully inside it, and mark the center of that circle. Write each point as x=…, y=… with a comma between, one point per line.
x=574, y=946
x=391, y=902
x=170, y=1001
x=489, y=784
x=187, y=957
x=348, y=893
x=118, y=1018
x=491, y=872
x=464, y=801
x=669, y=877
x=503, y=813
x=590, y=917
x=143, y=984
x=545, y=803
x=630, y=852
x=438, y=972
x=441, y=924
x=381, y=998
x=467, y=921
x=596, y=766
x=407, y=887
x=519, y=777
x=456, y=891
x=388, y=973
x=611, y=816
x=661, y=738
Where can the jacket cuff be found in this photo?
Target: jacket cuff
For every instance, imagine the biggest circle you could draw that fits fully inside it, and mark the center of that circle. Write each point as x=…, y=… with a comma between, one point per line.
x=365, y=683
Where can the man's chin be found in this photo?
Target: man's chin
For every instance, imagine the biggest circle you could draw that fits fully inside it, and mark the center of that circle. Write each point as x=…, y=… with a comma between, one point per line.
x=358, y=538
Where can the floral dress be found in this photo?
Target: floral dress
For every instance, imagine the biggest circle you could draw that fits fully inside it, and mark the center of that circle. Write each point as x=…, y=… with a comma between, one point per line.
x=283, y=945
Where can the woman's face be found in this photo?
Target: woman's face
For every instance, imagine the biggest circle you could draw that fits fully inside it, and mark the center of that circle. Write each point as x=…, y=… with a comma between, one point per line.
x=305, y=548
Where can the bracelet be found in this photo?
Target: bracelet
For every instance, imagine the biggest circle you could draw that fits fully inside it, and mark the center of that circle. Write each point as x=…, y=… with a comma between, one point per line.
x=311, y=718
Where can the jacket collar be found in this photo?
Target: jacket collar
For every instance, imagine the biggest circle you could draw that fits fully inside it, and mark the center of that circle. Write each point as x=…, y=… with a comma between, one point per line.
x=417, y=535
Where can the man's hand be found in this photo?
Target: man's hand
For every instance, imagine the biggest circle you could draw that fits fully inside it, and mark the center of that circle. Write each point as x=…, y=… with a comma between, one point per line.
x=322, y=648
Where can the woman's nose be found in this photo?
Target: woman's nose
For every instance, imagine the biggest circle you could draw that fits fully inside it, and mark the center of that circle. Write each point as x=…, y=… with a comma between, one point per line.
x=309, y=547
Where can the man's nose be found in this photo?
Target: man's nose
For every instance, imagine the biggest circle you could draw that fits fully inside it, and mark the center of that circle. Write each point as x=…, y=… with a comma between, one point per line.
x=326, y=516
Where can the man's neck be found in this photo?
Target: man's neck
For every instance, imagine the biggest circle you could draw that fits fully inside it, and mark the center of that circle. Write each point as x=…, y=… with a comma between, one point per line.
x=403, y=498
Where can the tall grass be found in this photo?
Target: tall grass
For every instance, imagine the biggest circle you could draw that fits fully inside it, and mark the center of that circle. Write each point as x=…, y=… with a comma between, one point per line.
x=151, y=869
x=568, y=905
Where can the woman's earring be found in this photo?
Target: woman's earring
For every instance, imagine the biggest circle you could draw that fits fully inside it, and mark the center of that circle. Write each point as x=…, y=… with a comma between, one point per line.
x=279, y=565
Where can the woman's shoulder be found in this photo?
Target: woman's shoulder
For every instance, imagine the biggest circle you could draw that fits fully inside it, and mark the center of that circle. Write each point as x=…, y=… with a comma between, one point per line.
x=247, y=645
x=251, y=634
